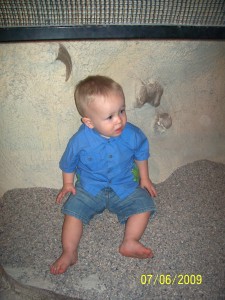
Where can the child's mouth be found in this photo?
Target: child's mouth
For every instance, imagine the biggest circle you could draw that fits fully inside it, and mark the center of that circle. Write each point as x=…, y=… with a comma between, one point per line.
x=119, y=130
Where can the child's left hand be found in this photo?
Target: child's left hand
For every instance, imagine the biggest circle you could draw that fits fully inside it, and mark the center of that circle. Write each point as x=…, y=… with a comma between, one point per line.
x=148, y=185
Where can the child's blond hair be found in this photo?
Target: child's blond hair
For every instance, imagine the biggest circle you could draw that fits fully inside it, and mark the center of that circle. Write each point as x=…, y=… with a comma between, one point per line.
x=92, y=86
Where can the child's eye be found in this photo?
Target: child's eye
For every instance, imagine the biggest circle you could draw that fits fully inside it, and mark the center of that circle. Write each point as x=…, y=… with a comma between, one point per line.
x=110, y=118
x=122, y=111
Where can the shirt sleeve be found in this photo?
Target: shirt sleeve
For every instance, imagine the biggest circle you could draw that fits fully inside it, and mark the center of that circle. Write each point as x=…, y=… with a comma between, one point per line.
x=70, y=158
x=142, y=146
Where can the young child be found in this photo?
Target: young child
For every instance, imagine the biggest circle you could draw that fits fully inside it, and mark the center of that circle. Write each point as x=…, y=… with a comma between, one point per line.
x=109, y=157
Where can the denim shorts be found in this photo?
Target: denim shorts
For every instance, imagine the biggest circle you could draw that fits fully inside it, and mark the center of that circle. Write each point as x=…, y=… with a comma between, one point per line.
x=84, y=206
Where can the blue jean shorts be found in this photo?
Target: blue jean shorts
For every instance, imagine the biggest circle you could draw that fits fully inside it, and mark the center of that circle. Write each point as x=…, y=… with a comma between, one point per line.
x=84, y=206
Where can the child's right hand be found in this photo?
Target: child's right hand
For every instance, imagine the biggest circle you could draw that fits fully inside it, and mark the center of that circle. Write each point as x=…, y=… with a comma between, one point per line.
x=67, y=188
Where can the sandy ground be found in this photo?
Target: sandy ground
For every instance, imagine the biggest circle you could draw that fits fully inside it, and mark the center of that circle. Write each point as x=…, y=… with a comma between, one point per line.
x=187, y=237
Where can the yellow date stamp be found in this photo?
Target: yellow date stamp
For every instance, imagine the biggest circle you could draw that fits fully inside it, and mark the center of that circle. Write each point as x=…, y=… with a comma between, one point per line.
x=168, y=279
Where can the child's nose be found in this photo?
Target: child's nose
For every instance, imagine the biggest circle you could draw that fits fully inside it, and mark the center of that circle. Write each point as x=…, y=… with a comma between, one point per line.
x=118, y=119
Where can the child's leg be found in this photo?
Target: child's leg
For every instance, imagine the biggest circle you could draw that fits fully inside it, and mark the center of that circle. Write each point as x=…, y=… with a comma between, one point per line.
x=71, y=234
x=134, y=229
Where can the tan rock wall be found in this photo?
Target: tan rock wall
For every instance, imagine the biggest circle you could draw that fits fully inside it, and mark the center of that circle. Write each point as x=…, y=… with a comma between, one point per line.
x=38, y=115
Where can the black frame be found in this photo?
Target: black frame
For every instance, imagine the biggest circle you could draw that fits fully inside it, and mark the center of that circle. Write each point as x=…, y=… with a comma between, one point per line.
x=18, y=34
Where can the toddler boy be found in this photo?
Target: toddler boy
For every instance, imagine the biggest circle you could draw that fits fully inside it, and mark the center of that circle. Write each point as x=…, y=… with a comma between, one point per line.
x=109, y=157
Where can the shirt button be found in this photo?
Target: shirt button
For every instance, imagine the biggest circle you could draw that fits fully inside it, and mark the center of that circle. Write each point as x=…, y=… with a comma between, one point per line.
x=110, y=156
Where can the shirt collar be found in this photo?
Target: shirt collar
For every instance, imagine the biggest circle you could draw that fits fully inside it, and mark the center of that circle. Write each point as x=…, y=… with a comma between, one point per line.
x=97, y=137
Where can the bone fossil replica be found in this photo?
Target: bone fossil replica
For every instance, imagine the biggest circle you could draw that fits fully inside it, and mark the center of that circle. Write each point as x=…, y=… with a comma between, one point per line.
x=64, y=57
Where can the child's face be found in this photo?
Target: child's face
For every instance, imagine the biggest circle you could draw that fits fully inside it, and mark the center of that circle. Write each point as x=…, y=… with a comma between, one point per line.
x=107, y=115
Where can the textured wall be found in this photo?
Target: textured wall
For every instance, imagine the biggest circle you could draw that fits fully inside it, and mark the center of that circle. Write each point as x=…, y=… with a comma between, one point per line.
x=38, y=115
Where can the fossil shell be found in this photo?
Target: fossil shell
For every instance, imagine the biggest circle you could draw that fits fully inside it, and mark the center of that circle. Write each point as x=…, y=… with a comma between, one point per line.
x=149, y=92
x=63, y=56
x=162, y=122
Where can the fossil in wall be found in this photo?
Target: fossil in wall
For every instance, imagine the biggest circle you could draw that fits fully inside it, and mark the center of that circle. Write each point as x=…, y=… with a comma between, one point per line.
x=163, y=121
x=148, y=92
x=64, y=57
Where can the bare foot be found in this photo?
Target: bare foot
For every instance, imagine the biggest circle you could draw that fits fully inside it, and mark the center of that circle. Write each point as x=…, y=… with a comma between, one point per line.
x=135, y=249
x=63, y=263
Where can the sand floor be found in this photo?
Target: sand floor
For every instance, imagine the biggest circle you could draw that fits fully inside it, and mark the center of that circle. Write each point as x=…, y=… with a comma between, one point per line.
x=187, y=237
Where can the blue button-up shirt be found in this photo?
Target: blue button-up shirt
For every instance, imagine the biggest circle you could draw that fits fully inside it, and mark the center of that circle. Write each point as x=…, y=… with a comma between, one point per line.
x=100, y=162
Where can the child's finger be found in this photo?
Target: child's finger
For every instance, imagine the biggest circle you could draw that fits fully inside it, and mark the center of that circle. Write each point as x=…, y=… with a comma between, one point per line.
x=60, y=197
x=152, y=191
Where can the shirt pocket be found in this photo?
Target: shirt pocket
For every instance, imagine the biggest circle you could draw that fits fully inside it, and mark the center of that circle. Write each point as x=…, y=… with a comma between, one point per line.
x=91, y=161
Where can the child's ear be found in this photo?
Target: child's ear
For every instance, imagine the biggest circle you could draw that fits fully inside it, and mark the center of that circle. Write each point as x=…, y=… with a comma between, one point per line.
x=87, y=122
